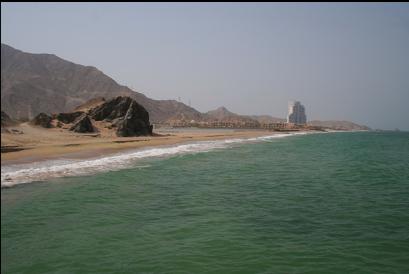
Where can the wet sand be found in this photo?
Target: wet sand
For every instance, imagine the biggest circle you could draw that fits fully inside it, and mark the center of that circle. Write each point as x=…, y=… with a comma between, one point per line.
x=38, y=144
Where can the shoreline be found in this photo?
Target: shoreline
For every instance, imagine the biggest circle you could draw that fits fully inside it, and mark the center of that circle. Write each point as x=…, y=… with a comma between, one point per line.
x=92, y=156
x=99, y=147
x=92, y=147
x=104, y=157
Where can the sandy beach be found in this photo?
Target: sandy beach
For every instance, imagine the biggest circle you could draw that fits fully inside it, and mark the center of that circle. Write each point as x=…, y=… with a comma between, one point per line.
x=37, y=144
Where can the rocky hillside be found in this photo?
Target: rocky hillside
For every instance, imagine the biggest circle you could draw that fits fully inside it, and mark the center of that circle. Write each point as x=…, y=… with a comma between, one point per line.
x=44, y=83
x=339, y=125
x=35, y=83
x=223, y=114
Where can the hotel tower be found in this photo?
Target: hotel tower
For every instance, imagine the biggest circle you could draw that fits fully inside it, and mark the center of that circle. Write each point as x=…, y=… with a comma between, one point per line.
x=296, y=113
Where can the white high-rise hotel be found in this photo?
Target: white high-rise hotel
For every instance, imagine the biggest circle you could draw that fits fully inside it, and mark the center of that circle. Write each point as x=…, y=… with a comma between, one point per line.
x=296, y=113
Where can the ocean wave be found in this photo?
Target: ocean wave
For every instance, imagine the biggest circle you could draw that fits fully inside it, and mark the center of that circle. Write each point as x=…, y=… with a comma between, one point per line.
x=39, y=171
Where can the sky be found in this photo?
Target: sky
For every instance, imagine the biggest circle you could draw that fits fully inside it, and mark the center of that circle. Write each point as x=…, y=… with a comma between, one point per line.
x=343, y=61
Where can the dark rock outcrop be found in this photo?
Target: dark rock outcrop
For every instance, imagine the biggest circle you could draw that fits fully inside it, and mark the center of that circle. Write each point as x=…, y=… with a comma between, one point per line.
x=122, y=113
x=115, y=108
x=135, y=122
x=90, y=104
x=6, y=121
x=83, y=125
x=42, y=120
x=69, y=117
x=130, y=118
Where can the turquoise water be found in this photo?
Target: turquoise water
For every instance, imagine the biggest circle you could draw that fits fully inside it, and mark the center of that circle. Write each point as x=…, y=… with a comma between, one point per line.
x=322, y=203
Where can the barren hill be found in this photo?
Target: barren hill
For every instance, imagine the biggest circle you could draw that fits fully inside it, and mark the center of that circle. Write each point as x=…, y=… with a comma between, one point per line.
x=35, y=83
x=340, y=125
x=223, y=114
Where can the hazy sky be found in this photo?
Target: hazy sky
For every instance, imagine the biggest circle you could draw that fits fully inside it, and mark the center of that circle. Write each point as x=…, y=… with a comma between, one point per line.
x=342, y=61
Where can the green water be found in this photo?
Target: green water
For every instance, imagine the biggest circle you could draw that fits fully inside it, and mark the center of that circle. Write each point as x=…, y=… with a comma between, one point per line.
x=324, y=203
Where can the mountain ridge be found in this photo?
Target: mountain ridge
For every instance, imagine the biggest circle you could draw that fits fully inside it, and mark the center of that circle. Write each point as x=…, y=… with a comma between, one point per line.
x=57, y=85
x=36, y=83
x=338, y=124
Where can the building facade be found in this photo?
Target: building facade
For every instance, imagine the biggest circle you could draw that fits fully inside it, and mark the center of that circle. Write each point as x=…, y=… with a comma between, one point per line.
x=296, y=113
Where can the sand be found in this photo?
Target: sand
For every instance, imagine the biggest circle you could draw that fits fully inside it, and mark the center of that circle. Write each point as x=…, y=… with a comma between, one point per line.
x=38, y=144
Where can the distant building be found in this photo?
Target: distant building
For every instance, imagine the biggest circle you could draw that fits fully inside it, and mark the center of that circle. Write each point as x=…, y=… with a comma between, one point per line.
x=296, y=113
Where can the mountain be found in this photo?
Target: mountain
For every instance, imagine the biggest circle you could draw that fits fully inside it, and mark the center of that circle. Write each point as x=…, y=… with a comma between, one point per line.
x=35, y=83
x=340, y=125
x=223, y=114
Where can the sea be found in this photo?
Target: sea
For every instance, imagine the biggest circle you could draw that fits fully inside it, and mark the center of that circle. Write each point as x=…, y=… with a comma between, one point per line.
x=287, y=203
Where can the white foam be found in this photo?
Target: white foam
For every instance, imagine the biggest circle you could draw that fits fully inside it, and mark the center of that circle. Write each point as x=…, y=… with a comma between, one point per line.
x=39, y=171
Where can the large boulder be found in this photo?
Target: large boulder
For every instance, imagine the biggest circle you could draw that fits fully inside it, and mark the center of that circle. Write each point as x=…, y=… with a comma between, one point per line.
x=68, y=118
x=42, y=120
x=130, y=118
x=83, y=125
x=112, y=109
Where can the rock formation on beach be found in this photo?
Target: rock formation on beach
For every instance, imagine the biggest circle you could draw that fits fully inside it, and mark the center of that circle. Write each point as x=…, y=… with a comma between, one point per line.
x=124, y=113
x=135, y=122
x=83, y=125
x=68, y=117
x=121, y=114
x=42, y=120
x=112, y=109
